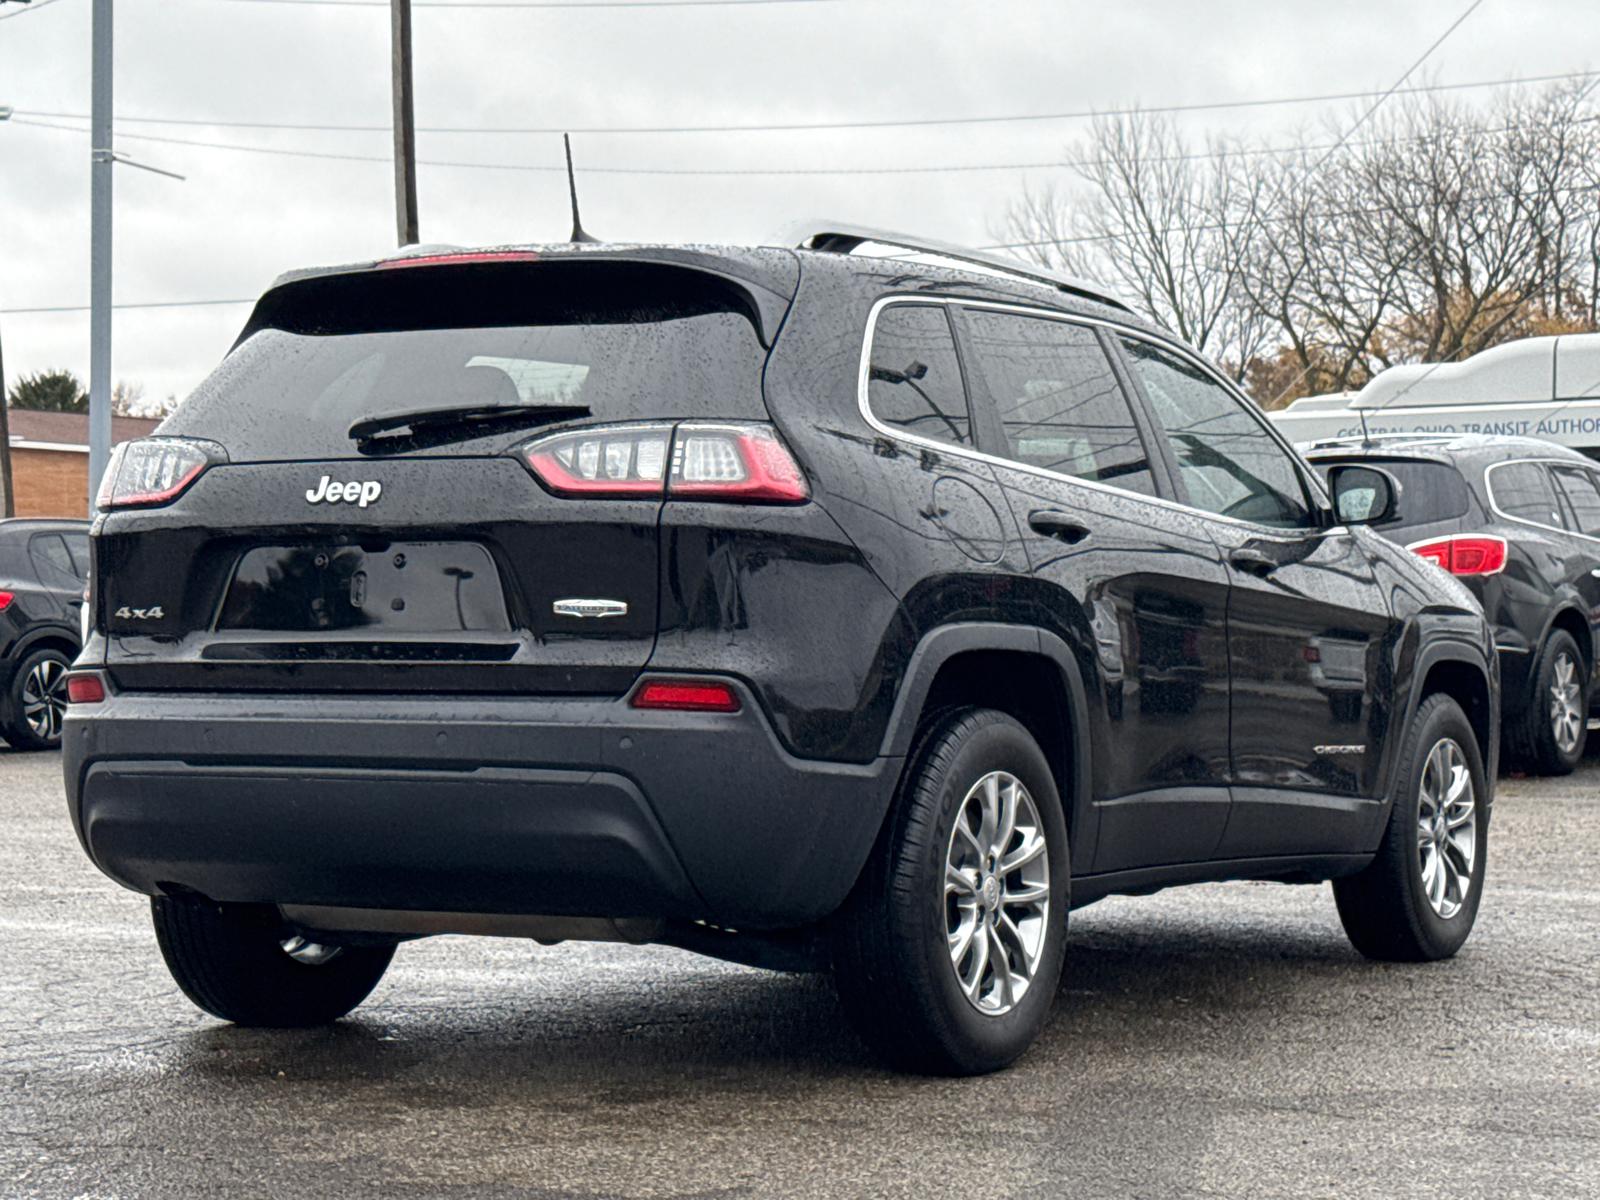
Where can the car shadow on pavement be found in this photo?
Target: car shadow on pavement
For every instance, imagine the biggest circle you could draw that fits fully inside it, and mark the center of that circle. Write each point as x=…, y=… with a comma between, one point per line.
x=629, y=1036
x=720, y=1023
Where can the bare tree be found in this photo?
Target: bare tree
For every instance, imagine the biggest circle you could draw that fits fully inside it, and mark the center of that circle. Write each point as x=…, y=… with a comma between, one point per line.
x=1443, y=230
x=1168, y=227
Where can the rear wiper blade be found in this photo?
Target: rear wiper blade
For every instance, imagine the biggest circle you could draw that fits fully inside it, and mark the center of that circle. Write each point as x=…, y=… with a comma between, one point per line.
x=484, y=418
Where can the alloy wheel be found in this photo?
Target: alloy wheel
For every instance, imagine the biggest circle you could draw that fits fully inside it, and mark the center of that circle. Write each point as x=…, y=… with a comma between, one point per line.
x=1447, y=828
x=1566, y=704
x=44, y=698
x=996, y=893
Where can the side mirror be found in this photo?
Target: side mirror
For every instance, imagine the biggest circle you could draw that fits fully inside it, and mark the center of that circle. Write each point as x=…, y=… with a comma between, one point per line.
x=1363, y=495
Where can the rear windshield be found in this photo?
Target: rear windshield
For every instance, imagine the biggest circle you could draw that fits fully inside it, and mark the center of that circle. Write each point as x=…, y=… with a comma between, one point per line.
x=1429, y=491
x=294, y=393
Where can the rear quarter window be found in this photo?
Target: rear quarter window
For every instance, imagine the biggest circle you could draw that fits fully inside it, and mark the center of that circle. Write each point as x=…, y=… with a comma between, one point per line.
x=1523, y=490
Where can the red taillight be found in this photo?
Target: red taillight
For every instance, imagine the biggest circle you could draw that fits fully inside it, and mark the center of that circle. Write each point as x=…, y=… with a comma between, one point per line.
x=697, y=460
x=5, y=600
x=1477, y=555
x=686, y=696
x=602, y=460
x=154, y=470
x=85, y=689
x=734, y=462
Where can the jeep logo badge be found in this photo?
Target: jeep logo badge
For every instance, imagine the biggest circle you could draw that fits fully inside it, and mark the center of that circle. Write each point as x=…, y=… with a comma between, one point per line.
x=360, y=493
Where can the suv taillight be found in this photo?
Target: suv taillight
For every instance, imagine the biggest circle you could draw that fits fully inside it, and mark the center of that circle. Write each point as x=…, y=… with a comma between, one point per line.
x=1477, y=554
x=154, y=471
x=701, y=460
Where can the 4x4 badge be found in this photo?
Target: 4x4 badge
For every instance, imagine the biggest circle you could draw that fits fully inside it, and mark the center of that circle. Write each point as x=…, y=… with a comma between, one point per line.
x=590, y=608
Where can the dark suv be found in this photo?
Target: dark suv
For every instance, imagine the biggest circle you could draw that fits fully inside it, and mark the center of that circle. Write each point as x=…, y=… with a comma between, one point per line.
x=799, y=607
x=1518, y=521
x=44, y=566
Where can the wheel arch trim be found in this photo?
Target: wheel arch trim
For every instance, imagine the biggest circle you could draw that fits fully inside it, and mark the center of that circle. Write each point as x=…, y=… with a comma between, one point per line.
x=1464, y=654
x=938, y=646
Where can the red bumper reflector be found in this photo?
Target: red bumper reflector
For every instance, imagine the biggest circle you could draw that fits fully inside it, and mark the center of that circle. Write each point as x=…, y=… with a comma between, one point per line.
x=687, y=697
x=1465, y=555
x=85, y=689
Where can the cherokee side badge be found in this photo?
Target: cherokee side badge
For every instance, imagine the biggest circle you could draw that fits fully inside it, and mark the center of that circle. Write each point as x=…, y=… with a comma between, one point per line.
x=590, y=608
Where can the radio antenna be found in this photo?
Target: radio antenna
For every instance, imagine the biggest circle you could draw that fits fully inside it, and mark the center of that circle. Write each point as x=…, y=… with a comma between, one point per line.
x=578, y=235
x=1366, y=437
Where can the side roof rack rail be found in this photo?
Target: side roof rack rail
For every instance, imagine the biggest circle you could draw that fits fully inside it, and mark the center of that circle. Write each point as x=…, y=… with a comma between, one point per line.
x=841, y=237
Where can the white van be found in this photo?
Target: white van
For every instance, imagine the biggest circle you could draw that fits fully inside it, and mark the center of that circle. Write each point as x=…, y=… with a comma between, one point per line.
x=1544, y=387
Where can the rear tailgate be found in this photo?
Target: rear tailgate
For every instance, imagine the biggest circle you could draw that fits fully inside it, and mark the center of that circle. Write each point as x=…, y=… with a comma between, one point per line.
x=311, y=555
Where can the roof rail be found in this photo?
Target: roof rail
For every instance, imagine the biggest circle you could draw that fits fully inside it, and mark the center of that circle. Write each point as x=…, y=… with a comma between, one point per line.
x=841, y=237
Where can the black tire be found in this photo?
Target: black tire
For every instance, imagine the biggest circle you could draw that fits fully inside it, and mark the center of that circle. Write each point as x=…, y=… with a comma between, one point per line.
x=230, y=960
x=1386, y=909
x=37, y=700
x=1551, y=733
x=892, y=953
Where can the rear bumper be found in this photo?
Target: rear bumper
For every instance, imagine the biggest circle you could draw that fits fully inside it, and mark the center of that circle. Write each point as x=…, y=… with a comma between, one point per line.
x=571, y=806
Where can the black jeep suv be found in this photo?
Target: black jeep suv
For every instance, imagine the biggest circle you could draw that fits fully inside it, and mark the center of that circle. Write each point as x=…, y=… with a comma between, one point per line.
x=802, y=607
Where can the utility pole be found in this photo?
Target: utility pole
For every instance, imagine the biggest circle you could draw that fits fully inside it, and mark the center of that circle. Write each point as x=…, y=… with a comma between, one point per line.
x=5, y=445
x=405, y=130
x=102, y=159
x=5, y=410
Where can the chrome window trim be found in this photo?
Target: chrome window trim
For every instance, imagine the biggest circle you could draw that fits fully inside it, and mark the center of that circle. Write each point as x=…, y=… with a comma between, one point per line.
x=1494, y=505
x=976, y=455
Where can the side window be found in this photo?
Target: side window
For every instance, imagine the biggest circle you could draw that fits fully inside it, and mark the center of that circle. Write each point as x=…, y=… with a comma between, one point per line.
x=1229, y=463
x=78, y=543
x=52, y=562
x=1058, y=399
x=1583, y=499
x=1522, y=489
x=914, y=380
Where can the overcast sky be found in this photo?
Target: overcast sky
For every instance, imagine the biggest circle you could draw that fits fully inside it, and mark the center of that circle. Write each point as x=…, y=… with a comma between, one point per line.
x=241, y=217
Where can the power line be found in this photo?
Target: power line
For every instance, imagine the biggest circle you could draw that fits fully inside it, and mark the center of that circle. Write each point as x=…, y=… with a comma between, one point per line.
x=824, y=126
x=22, y=12
x=949, y=168
x=67, y=308
x=1361, y=120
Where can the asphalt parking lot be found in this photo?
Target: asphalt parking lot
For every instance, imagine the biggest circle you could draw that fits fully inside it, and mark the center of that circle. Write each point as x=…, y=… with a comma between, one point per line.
x=1217, y=1040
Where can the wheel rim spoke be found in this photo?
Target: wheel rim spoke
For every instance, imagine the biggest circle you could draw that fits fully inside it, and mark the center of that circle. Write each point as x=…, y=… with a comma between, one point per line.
x=1033, y=845
x=44, y=701
x=1447, y=828
x=996, y=892
x=1566, y=703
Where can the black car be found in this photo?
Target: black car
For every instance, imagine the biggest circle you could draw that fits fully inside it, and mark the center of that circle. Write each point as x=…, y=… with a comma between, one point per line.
x=800, y=607
x=1518, y=521
x=44, y=567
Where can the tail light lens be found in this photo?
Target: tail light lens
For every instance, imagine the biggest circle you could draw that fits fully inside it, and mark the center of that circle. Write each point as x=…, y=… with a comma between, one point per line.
x=1476, y=555
x=699, y=460
x=85, y=689
x=154, y=471
x=601, y=460
x=5, y=600
x=686, y=695
x=734, y=462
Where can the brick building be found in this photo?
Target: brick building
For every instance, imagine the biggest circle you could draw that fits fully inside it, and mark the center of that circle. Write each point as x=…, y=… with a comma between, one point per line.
x=50, y=459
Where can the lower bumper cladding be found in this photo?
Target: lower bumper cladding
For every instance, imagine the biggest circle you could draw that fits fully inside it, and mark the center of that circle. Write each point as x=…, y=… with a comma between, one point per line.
x=556, y=807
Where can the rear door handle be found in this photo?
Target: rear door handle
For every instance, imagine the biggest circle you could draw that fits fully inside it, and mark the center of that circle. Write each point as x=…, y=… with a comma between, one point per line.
x=1058, y=525
x=1253, y=561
